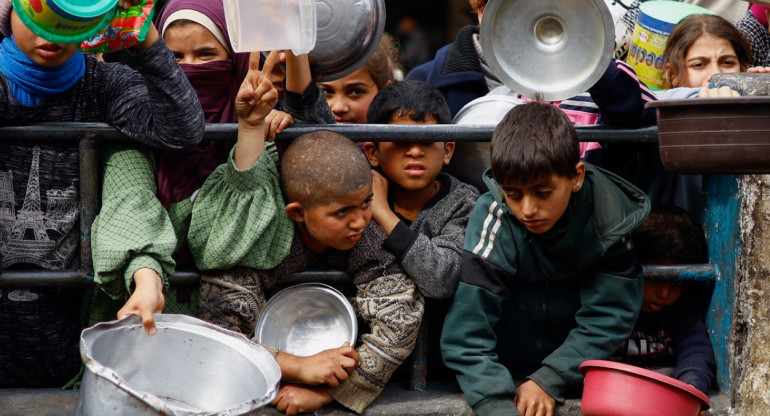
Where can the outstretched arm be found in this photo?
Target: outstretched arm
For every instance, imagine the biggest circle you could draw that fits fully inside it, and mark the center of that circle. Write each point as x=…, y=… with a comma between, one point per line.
x=254, y=101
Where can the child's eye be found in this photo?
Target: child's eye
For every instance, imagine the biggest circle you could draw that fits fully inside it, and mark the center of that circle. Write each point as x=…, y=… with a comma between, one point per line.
x=729, y=63
x=356, y=92
x=544, y=194
x=178, y=56
x=366, y=203
x=513, y=195
x=341, y=212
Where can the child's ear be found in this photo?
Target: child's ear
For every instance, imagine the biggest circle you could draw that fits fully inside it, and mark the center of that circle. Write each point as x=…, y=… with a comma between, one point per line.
x=295, y=211
x=370, y=150
x=449, y=150
x=577, y=180
x=667, y=74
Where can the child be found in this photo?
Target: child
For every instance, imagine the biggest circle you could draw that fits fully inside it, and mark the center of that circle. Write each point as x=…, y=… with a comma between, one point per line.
x=349, y=97
x=328, y=187
x=670, y=328
x=127, y=258
x=148, y=100
x=423, y=211
x=699, y=46
x=549, y=276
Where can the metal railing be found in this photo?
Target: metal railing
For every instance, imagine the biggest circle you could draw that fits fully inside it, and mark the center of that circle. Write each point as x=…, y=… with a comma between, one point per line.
x=89, y=135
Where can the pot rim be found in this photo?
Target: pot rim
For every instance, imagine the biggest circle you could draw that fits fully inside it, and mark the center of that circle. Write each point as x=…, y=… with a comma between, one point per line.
x=196, y=326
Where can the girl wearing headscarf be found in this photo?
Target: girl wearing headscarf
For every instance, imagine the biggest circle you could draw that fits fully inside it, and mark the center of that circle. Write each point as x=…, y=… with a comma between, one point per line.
x=139, y=237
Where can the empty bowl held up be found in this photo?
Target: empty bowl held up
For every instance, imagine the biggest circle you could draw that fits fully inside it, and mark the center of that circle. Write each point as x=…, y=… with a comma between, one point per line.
x=189, y=367
x=617, y=389
x=306, y=319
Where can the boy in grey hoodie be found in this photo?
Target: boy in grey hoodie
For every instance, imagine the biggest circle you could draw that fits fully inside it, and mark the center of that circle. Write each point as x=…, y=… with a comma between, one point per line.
x=423, y=210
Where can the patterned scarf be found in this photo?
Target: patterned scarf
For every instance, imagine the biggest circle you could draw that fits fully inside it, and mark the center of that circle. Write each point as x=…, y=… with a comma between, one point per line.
x=30, y=82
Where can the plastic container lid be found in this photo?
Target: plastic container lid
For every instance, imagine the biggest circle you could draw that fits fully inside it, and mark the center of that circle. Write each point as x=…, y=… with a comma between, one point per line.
x=65, y=21
x=670, y=12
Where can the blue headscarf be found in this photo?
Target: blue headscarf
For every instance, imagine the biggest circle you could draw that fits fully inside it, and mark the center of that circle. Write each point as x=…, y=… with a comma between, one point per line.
x=30, y=82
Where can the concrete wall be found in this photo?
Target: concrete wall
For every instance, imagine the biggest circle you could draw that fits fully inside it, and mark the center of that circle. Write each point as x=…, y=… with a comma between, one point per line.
x=750, y=335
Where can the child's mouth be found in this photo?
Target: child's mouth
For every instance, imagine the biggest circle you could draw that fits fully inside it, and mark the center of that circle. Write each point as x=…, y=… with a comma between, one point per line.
x=415, y=169
x=48, y=50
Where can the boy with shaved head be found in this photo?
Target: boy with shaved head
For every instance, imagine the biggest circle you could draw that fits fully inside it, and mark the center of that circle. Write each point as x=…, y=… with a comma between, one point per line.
x=325, y=222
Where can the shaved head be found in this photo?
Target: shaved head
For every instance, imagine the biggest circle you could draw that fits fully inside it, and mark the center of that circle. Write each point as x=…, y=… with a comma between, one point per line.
x=322, y=166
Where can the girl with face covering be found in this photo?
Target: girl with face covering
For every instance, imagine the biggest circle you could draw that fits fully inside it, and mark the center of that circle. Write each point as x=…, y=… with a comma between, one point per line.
x=129, y=259
x=215, y=73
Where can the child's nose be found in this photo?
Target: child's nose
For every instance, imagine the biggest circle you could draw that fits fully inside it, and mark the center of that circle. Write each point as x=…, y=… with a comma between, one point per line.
x=528, y=206
x=338, y=105
x=359, y=221
x=415, y=149
x=664, y=289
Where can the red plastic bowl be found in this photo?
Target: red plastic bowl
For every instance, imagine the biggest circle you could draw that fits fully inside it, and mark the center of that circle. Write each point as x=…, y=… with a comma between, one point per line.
x=616, y=389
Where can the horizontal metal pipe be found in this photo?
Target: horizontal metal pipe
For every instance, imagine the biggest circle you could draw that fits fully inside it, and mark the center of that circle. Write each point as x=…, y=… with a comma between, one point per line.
x=681, y=272
x=33, y=278
x=30, y=278
x=57, y=132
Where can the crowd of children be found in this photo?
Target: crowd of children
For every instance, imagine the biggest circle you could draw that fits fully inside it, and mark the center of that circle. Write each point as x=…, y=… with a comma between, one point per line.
x=520, y=284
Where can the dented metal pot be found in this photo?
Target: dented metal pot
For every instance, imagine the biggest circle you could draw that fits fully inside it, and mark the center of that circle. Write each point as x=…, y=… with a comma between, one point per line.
x=189, y=367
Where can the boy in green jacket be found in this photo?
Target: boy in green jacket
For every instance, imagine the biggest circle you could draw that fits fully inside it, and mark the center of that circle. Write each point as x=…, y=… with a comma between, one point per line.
x=549, y=276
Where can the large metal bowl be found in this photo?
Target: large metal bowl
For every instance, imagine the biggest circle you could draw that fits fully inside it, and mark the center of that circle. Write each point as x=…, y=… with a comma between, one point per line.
x=471, y=159
x=552, y=48
x=189, y=367
x=347, y=34
x=306, y=319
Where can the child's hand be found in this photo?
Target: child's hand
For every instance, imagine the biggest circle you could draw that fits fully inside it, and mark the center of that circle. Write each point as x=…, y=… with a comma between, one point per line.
x=381, y=211
x=759, y=69
x=293, y=399
x=718, y=92
x=328, y=367
x=147, y=298
x=531, y=400
x=257, y=96
x=152, y=34
x=277, y=121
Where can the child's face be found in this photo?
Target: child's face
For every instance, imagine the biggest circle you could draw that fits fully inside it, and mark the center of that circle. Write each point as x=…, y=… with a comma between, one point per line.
x=538, y=206
x=660, y=294
x=39, y=50
x=349, y=97
x=194, y=44
x=707, y=56
x=412, y=166
x=338, y=225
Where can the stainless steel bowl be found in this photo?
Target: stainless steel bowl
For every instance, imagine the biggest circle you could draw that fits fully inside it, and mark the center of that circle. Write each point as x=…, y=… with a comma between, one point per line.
x=471, y=159
x=347, y=34
x=306, y=319
x=553, y=48
x=189, y=367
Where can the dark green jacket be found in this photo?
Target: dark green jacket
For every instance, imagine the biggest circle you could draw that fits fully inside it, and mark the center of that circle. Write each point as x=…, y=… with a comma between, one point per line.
x=524, y=309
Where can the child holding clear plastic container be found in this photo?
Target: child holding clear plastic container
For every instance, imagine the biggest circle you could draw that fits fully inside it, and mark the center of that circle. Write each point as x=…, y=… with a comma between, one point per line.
x=148, y=99
x=156, y=190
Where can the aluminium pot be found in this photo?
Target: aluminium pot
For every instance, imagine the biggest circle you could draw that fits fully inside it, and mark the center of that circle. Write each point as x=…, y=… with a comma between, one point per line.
x=189, y=367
